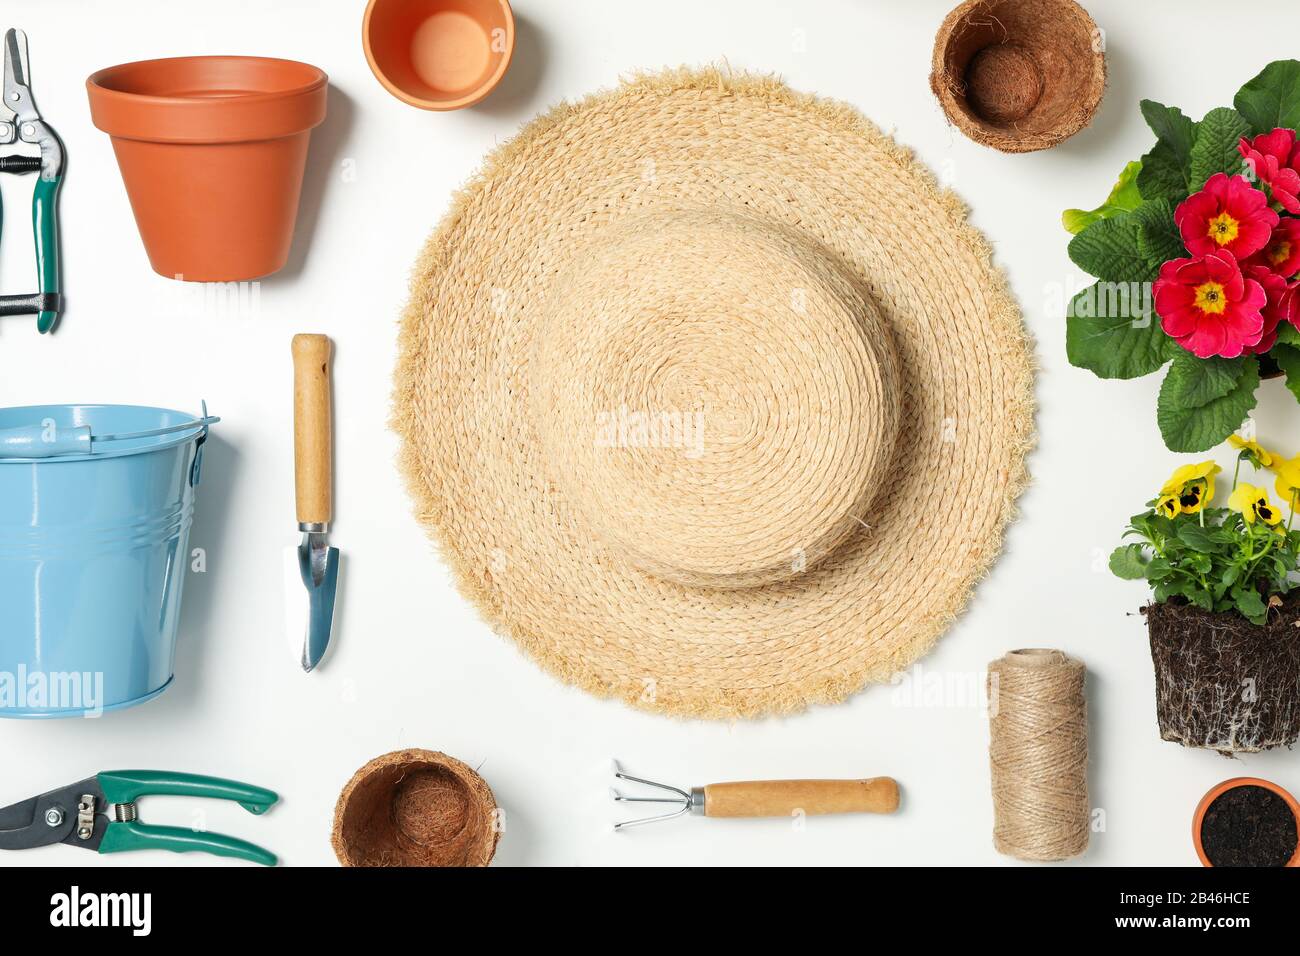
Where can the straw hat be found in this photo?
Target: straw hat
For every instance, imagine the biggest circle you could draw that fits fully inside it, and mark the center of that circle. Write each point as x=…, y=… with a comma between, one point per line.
x=712, y=397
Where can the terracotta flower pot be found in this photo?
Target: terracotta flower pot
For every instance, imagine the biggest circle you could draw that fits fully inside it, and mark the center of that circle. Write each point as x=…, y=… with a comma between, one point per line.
x=1223, y=683
x=212, y=150
x=1198, y=817
x=439, y=54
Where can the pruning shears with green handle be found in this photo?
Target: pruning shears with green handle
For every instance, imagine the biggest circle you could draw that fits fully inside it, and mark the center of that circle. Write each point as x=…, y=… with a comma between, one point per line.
x=100, y=813
x=21, y=122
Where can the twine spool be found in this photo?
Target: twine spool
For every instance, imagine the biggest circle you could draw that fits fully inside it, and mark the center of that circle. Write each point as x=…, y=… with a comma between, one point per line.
x=1038, y=750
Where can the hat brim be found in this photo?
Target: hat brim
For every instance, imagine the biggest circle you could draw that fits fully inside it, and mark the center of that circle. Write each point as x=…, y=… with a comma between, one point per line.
x=519, y=551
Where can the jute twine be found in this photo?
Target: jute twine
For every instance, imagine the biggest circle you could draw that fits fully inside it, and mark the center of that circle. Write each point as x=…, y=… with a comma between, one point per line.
x=1019, y=75
x=712, y=397
x=415, y=808
x=1038, y=750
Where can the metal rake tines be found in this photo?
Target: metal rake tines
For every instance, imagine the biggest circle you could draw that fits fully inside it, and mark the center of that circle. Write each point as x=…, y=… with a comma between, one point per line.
x=683, y=799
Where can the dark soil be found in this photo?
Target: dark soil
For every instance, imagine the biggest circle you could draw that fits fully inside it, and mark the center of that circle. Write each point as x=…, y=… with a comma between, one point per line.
x=1224, y=683
x=1249, y=826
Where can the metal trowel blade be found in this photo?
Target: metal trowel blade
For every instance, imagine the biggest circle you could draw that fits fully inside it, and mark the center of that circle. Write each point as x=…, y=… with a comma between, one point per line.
x=308, y=624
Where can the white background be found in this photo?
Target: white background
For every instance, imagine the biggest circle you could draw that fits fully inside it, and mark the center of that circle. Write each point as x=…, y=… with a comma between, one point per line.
x=411, y=665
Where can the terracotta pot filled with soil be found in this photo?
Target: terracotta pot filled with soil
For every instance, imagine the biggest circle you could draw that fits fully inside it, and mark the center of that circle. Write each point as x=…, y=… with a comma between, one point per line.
x=1018, y=75
x=1223, y=683
x=1247, y=821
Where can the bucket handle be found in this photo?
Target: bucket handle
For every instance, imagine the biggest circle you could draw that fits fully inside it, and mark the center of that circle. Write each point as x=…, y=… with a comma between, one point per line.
x=198, y=445
x=48, y=440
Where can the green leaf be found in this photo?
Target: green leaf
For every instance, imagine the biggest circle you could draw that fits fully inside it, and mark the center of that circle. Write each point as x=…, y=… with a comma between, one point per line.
x=1158, y=237
x=1123, y=196
x=1206, y=540
x=1272, y=99
x=1201, y=598
x=1163, y=176
x=1159, y=569
x=1176, y=130
x=1126, y=562
x=1215, y=149
x=1199, y=429
x=1110, y=329
x=1108, y=249
x=1288, y=334
x=1194, y=382
x=1226, y=580
x=1250, y=604
x=1287, y=358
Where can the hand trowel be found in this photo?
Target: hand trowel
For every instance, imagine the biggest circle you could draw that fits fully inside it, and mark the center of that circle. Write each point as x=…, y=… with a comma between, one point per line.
x=313, y=565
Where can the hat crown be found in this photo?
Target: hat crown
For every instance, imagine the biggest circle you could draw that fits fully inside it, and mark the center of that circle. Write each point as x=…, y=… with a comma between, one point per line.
x=716, y=399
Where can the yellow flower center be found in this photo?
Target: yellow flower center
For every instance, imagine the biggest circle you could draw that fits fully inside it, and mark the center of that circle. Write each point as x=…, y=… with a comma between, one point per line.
x=1210, y=298
x=1264, y=512
x=1223, y=229
x=1279, y=252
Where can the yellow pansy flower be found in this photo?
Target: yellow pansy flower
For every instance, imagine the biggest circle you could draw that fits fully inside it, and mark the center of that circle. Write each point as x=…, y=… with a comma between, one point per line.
x=1193, y=485
x=1253, y=504
x=1261, y=456
x=1168, y=506
x=1287, y=484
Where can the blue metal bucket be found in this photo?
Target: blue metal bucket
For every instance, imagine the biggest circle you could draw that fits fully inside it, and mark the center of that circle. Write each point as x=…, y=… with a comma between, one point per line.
x=94, y=548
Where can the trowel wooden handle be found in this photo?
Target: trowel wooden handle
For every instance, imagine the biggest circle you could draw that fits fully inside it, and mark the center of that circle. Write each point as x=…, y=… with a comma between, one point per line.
x=312, y=428
x=781, y=798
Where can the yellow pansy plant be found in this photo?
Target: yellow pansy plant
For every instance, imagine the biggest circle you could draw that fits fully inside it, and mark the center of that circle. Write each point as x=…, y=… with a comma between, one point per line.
x=1192, y=486
x=1233, y=560
x=1253, y=504
x=1169, y=506
x=1287, y=483
x=1252, y=451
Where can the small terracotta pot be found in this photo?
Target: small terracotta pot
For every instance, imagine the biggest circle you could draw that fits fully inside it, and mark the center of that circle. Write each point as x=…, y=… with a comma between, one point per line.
x=212, y=150
x=439, y=54
x=1219, y=790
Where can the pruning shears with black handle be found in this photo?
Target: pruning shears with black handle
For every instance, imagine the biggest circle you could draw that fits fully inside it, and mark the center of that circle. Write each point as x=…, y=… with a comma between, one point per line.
x=100, y=813
x=21, y=122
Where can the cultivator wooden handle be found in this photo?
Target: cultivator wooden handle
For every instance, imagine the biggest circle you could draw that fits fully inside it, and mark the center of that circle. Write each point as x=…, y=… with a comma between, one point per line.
x=312, y=429
x=781, y=798
x=761, y=798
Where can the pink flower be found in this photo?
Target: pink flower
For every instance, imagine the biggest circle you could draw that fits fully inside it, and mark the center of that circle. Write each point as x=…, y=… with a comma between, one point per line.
x=1275, y=159
x=1282, y=254
x=1227, y=214
x=1279, y=305
x=1208, y=306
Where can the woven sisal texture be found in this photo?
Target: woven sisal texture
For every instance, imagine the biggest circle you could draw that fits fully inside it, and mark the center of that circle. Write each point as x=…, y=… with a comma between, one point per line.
x=1019, y=75
x=712, y=397
x=415, y=808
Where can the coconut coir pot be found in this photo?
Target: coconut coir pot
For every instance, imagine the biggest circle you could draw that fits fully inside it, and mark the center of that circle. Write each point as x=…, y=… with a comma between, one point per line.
x=415, y=808
x=212, y=150
x=1223, y=683
x=1018, y=75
